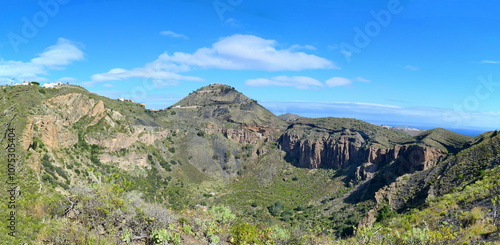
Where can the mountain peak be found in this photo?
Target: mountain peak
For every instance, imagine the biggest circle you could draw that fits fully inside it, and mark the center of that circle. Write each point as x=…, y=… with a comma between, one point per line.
x=213, y=95
x=222, y=102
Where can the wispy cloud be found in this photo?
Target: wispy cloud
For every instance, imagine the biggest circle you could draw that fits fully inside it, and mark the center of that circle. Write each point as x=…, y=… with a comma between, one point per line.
x=338, y=81
x=302, y=82
x=305, y=47
x=490, y=62
x=362, y=79
x=158, y=74
x=411, y=68
x=299, y=82
x=173, y=34
x=55, y=57
x=234, y=23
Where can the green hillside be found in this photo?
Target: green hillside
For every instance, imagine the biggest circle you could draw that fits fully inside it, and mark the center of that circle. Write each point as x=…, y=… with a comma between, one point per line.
x=218, y=168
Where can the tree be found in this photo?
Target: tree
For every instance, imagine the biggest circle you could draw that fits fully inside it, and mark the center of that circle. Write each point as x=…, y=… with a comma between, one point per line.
x=495, y=133
x=276, y=209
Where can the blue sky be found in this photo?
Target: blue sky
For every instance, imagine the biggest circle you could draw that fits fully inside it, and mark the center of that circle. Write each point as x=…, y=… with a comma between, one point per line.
x=419, y=63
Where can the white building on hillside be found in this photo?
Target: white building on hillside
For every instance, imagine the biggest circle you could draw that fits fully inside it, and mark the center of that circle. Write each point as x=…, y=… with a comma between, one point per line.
x=53, y=85
x=22, y=84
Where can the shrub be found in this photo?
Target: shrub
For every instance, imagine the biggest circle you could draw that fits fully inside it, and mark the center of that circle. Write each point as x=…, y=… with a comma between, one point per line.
x=275, y=209
x=417, y=236
x=470, y=218
x=384, y=213
x=243, y=233
x=222, y=214
x=287, y=215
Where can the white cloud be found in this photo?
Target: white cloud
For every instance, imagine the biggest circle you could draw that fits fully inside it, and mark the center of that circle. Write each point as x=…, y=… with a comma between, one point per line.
x=299, y=82
x=411, y=68
x=147, y=72
x=247, y=52
x=368, y=104
x=302, y=82
x=55, y=57
x=338, y=81
x=61, y=54
x=490, y=62
x=234, y=23
x=237, y=52
x=362, y=79
x=173, y=34
x=306, y=47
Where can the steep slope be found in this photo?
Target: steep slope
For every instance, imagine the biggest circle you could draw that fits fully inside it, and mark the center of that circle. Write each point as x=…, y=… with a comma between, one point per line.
x=462, y=169
x=220, y=102
x=455, y=202
x=443, y=139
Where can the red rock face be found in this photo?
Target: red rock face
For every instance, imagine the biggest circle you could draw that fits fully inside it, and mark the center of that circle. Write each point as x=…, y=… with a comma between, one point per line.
x=351, y=150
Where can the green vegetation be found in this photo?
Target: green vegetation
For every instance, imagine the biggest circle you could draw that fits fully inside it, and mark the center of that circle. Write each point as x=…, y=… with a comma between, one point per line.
x=443, y=139
x=214, y=171
x=458, y=218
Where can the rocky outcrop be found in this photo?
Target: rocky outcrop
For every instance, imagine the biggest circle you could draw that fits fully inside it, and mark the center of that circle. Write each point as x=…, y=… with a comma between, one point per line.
x=128, y=162
x=125, y=140
x=244, y=135
x=54, y=131
x=352, y=149
x=74, y=106
x=62, y=112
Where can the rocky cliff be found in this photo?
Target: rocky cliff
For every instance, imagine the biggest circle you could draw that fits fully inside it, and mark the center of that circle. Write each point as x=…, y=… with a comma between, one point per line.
x=337, y=149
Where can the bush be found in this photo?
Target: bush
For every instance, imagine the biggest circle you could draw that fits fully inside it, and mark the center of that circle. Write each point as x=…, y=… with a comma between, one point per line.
x=221, y=214
x=472, y=217
x=384, y=213
x=276, y=209
x=243, y=233
x=417, y=236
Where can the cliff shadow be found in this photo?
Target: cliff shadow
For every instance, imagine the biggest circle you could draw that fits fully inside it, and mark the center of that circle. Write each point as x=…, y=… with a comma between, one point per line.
x=385, y=176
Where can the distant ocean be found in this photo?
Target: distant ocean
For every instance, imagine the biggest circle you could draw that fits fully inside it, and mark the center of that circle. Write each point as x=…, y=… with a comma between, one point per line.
x=469, y=132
